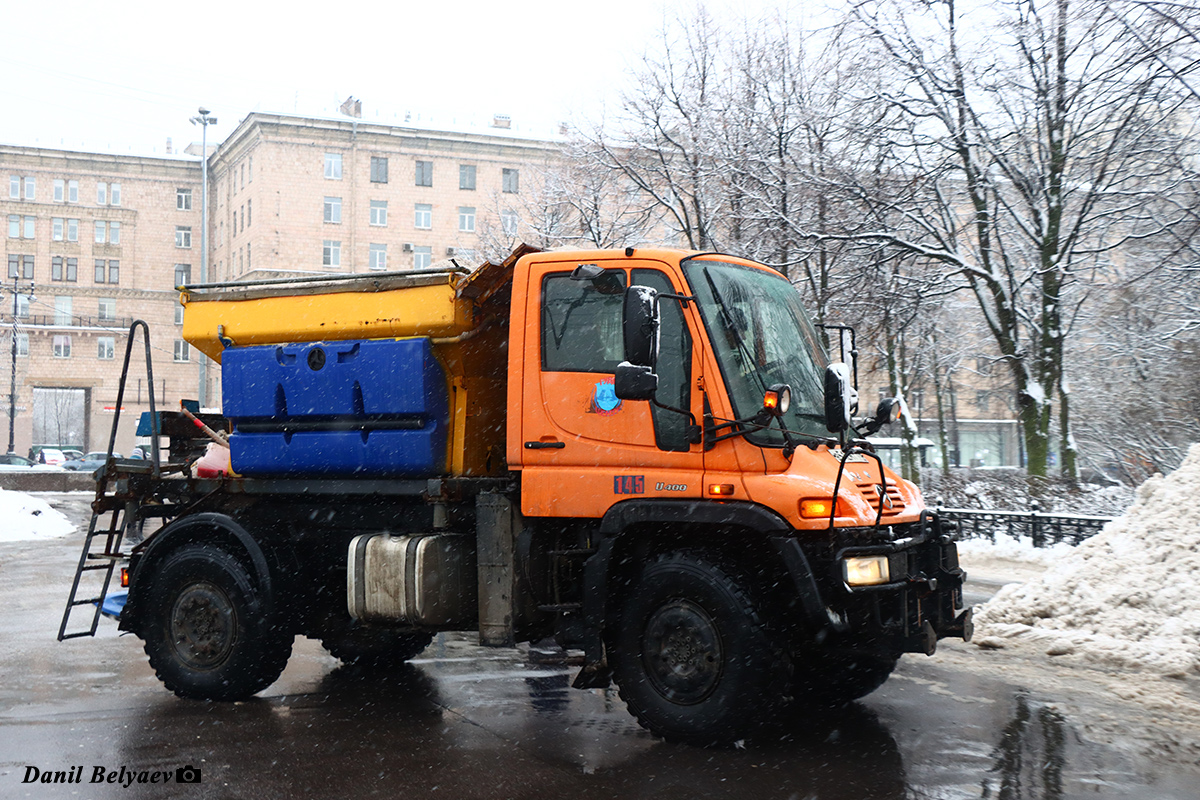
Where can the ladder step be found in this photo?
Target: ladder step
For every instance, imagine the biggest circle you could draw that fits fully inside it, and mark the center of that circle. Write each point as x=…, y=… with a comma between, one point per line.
x=93, y=567
x=76, y=635
x=89, y=602
x=109, y=556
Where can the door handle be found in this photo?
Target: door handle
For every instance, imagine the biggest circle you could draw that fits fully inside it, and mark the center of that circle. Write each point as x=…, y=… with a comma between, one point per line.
x=545, y=445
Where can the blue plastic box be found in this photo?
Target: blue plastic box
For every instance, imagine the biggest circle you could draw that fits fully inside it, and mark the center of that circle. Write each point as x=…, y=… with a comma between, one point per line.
x=366, y=408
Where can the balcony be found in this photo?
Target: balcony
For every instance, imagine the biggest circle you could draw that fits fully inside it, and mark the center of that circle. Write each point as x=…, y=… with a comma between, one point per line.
x=49, y=322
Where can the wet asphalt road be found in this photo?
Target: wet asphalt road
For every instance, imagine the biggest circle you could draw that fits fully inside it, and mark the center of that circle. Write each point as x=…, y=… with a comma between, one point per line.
x=467, y=722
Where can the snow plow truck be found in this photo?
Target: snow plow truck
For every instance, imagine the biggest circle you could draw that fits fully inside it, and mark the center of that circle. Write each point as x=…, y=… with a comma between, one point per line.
x=645, y=454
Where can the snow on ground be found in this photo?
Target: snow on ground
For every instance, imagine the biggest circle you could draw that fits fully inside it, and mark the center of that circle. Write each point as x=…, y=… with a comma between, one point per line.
x=24, y=517
x=1128, y=597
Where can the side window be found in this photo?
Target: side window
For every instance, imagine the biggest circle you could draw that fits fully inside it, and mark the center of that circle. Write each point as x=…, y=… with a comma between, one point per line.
x=674, y=366
x=581, y=325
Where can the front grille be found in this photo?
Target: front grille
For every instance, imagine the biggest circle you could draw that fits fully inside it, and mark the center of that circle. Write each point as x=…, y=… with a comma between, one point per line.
x=894, y=504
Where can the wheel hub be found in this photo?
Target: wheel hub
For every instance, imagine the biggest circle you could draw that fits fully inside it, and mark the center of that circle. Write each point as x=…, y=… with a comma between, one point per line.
x=203, y=625
x=682, y=652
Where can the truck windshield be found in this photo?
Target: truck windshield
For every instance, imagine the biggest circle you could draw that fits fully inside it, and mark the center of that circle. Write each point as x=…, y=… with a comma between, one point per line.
x=762, y=336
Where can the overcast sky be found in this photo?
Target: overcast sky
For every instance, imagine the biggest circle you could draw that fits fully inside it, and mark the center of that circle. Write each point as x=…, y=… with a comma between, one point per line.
x=122, y=77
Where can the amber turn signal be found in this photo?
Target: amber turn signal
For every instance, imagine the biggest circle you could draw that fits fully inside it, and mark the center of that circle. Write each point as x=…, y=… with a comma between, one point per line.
x=720, y=489
x=124, y=577
x=816, y=508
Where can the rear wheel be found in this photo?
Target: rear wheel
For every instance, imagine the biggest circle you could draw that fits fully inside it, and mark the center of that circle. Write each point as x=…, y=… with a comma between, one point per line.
x=693, y=658
x=209, y=633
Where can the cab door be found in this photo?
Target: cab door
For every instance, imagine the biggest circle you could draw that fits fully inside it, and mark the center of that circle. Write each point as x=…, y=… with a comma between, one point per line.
x=583, y=449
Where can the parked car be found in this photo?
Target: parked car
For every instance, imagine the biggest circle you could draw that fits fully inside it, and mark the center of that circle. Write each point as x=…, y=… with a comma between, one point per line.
x=14, y=460
x=90, y=462
x=73, y=455
x=51, y=456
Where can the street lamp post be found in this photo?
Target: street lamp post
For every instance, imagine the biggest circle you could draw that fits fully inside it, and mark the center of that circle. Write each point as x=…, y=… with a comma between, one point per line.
x=203, y=120
x=12, y=387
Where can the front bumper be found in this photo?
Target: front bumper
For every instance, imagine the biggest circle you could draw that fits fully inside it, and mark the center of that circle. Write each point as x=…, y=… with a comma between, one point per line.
x=922, y=601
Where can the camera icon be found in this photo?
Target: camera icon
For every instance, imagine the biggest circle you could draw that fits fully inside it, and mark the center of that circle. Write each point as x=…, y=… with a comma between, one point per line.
x=188, y=774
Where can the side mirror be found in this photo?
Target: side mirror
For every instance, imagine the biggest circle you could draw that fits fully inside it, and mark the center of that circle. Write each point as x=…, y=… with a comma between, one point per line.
x=640, y=326
x=887, y=412
x=634, y=382
x=841, y=398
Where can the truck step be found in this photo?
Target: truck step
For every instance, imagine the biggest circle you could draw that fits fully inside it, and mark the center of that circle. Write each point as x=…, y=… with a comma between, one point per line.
x=561, y=608
x=579, y=552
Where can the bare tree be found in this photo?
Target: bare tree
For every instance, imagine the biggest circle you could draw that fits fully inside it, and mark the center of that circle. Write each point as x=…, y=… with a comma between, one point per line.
x=1031, y=153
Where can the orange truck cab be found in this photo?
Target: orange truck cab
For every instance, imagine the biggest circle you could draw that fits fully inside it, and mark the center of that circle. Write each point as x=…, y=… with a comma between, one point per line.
x=644, y=454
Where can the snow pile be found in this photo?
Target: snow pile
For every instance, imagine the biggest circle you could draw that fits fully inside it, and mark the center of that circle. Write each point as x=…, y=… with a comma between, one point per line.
x=971, y=551
x=1129, y=596
x=23, y=517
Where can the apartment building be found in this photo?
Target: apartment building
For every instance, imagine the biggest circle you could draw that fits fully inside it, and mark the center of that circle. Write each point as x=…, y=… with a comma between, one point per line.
x=95, y=241
x=295, y=195
x=92, y=242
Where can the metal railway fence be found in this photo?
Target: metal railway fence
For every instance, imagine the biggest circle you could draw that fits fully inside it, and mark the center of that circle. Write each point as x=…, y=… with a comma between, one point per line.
x=1043, y=530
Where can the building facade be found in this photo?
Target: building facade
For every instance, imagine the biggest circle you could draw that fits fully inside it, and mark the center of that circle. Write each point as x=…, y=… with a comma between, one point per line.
x=91, y=243
x=293, y=195
x=95, y=241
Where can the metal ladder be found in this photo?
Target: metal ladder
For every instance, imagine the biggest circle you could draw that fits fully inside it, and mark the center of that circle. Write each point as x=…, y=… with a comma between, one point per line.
x=122, y=505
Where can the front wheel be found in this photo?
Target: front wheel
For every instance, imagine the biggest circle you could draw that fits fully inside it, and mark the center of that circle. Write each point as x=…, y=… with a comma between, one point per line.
x=693, y=658
x=209, y=633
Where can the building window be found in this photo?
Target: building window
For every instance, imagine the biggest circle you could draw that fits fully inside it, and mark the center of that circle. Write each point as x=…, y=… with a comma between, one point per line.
x=106, y=347
x=250, y=169
x=20, y=266
x=378, y=256
x=247, y=256
x=378, y=170
x=14, y=226
x=29, y=227
x=333, y=166
x=62, y=346
x=14, y=187
x=248, y=213
x=379, y=213
x=466, y=176
x=422, y=257
x=183, y=274
x=63, y=310
x=114, y=233
x=101, y=194
x=64, y=269
x=466, y=219
x=183, y=236
x=179, y=315
x=56, y=229
x=114, y=194
x=114, y=271
x=509, y=222
x=331, y=253
x=511, y=181
x=423, y=216
x=100, y=270
x=182, y=351
x=101, y=231
x=72, y=191
x=22, y=344
x=30, y=185
x=60, y=190
x=107, y=308
x=72, y=230
x=333, y=209
x=424, y=173
x=183, y=199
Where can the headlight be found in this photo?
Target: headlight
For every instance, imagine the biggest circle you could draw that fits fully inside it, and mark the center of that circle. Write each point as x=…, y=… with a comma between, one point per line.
x=866, y=570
